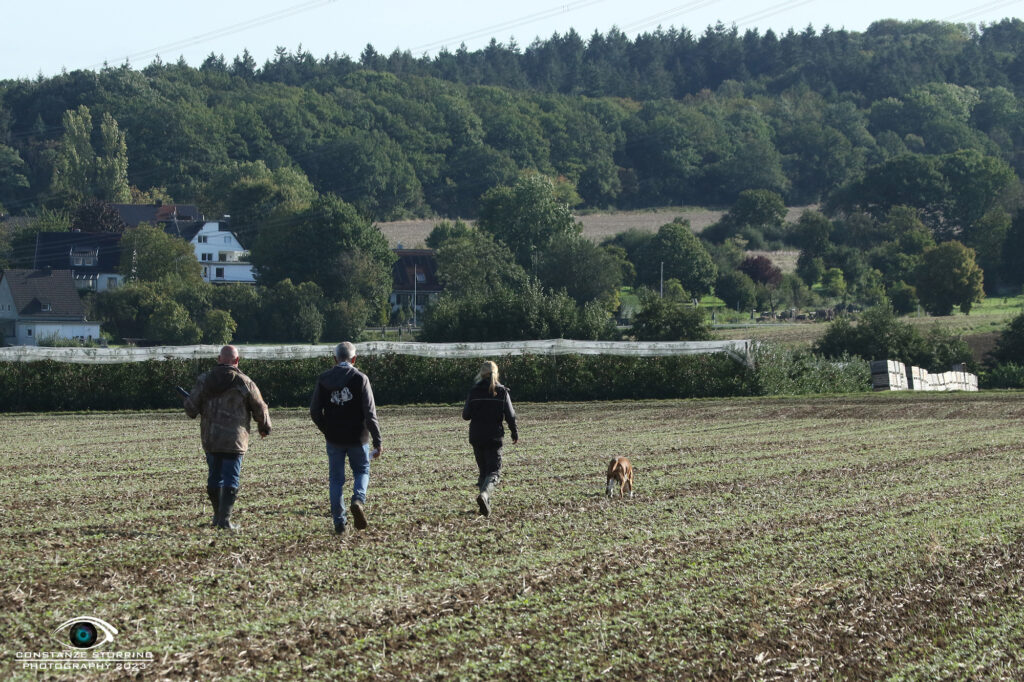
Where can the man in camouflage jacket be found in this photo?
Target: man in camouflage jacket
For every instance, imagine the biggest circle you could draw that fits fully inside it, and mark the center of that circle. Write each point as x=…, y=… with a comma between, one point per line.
x=227, y=400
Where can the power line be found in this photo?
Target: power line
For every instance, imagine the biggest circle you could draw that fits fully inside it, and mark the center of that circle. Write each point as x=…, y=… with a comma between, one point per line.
x=771, y=11
x=489, y=31
x=658, y=19
x=225, y=31
x=977, y=9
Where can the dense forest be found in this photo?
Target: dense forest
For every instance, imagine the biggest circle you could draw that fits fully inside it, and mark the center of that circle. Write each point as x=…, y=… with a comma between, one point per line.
x=666, y=119
x=909, y=136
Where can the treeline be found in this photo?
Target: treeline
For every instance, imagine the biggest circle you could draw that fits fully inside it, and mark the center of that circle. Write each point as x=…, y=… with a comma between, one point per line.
x=668, y=118
x=909, y=136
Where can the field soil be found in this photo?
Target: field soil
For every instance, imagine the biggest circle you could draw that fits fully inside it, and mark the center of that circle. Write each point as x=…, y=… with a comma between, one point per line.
x=596, y=226
x=875, y=536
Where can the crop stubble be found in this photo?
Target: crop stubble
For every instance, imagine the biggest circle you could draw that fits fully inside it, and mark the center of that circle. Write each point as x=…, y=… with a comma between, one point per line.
x=855, y=537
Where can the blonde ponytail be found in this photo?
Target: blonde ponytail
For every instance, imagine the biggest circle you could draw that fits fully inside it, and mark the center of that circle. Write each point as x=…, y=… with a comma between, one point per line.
x=489, y=372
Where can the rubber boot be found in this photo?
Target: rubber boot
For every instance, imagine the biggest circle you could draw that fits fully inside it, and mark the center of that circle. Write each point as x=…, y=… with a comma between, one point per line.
x=227, y=502
x=214, y=495
x=483, y=500
x=358, y=514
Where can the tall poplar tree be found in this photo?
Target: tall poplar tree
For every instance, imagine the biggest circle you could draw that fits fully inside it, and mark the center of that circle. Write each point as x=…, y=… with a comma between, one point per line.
x=74, y=166
x=112, y=165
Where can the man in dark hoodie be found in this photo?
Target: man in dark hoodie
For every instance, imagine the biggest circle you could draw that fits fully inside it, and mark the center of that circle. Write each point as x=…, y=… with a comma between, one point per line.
x=227, y=399
x=344, y=411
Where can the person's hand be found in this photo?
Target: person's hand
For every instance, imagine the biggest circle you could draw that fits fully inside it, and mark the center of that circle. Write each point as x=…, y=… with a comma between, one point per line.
x=514, y=441
x=376, y=452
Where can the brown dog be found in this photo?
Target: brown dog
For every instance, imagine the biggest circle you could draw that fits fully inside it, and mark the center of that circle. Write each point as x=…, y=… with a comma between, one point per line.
x=620, y=471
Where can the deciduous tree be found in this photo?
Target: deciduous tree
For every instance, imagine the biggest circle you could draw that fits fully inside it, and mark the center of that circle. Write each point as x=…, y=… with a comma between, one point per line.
x=949, y=277
x=526, y=217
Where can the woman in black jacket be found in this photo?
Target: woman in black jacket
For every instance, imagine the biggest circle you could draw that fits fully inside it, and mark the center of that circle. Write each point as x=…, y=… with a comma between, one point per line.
x=487, y=405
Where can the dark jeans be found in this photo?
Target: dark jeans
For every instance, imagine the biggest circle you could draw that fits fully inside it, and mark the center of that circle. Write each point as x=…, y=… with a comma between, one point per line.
x=488, y=461
x=225, y=470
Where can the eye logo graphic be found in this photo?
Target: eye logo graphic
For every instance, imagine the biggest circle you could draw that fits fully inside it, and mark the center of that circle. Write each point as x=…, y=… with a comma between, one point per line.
x=85, y=632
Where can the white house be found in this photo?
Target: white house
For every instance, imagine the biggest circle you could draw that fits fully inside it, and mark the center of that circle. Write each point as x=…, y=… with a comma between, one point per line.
x=223, y=258
x=38, y=304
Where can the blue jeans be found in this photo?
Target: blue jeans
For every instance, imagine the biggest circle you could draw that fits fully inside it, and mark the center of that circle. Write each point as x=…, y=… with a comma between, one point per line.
x=359, y=459
x=224, y=470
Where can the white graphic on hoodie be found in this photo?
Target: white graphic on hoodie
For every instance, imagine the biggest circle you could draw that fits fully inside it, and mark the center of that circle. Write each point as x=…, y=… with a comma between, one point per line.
x=341, y=397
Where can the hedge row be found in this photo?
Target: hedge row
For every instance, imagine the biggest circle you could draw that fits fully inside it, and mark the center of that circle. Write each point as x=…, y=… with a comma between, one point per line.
x=403, y=379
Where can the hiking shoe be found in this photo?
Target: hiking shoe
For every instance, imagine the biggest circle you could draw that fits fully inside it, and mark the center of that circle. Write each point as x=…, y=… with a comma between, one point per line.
x=358, y=515
x=483, y=501
x=339, y=527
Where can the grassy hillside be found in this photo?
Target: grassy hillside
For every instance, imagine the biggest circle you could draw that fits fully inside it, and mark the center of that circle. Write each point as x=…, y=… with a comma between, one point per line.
x=852, y=537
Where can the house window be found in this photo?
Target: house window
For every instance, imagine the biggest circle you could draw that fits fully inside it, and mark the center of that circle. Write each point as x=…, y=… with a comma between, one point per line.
x=207, y=256
x=203, y=239
x=220, y=273
x=421, y=277
x=28, y=331
x=76, y=260
x=111, y=282
x=45, y=307
x=223, y=257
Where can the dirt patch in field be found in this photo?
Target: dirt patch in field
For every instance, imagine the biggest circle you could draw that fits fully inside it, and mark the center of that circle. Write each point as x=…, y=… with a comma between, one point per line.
x=596, y=226
x=783, y=260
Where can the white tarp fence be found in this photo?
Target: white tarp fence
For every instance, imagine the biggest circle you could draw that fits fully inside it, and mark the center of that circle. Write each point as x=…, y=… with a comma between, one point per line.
x=737, y=349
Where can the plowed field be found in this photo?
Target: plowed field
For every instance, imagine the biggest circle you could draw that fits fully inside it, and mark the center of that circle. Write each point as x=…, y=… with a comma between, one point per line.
x=861, y=537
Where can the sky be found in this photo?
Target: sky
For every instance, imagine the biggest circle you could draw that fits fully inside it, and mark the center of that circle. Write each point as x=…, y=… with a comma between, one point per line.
x=44, y=37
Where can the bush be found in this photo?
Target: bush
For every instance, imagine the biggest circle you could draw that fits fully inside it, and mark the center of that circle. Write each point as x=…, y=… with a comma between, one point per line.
x=1009, y=375
x=56, y=341
x=785, y=371
x=669, y=319
x=736, y=289
x=397, y=379
x=879, y=335
x=506, y=315
x=218, y=327
x=1010, y=344
x=46, y=386
x=903, y=297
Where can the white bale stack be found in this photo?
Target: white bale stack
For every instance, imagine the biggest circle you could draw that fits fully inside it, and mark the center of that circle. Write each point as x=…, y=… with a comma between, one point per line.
x=891, y=375
x=888, y=375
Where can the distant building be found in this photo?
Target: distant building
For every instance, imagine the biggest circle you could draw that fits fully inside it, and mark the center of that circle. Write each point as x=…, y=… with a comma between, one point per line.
x=40, y=304
x=176, y=219
x=414, y=275
x=92, y=257
x=222, y=256
x=224, y=259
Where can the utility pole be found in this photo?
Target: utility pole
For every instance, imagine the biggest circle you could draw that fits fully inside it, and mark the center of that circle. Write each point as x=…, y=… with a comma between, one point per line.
x=661, y=281
x=415, y=274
